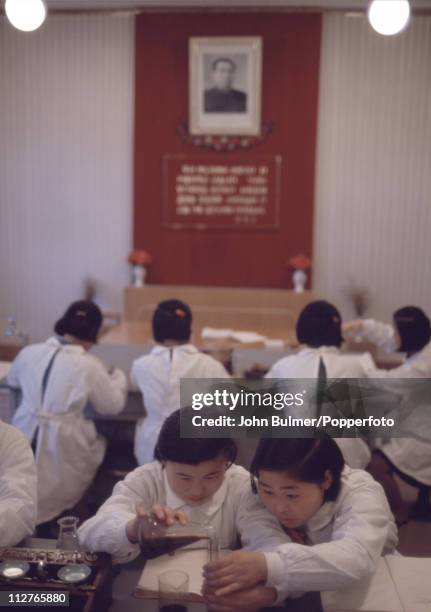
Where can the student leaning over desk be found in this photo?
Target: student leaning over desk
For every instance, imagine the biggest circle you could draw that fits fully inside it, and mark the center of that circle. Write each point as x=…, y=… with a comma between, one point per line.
x=319, y=331
x=410, y=455
x=191, y=479
x=159, y=373
x=58, y=378
x=336, y=520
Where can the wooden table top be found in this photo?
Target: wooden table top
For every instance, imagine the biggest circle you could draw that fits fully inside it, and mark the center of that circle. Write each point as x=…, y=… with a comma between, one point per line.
x=141, y=333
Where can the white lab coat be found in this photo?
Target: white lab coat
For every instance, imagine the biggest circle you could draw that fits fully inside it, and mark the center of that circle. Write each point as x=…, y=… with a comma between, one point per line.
x=232, y=511
x=69, y=450
x=410, y=455
x=18, y=490
x=347, y=537
x=158, y=377
x=305, y=364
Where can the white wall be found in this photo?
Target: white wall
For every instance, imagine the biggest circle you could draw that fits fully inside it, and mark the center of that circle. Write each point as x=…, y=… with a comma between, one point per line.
x=373, y=191
x=66, y=160
x=66, y=164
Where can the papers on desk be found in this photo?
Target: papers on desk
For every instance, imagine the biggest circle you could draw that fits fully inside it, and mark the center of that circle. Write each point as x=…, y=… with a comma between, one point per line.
x=400, y=584
x=246, y=337
x=216, y=333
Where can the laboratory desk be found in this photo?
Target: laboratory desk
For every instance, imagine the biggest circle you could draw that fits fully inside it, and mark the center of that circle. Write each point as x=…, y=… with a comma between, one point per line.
x=112, y=588
x=399, y=584
x=128, y=341
x=127, y=576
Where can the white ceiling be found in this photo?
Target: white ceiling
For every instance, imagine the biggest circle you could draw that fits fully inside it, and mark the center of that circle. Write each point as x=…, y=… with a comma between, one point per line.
x=127, y=4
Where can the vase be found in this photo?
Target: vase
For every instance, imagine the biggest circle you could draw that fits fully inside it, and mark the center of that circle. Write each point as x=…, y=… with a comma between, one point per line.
x=138, y=275
x=299, y=278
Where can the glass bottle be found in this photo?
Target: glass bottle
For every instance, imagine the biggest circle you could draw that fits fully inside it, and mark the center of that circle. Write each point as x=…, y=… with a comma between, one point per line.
x=68, y=535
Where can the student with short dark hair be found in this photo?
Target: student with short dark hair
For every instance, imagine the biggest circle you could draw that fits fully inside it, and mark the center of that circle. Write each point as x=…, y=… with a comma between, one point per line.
x=306, y=459
x=159, y=373
x=409, y=457
x=58, y=378
x=410, y=333
x=319, y=324
x=337, y=523
x=191, y=479
x=172, y=322
x=318, y=330
x=172, y=447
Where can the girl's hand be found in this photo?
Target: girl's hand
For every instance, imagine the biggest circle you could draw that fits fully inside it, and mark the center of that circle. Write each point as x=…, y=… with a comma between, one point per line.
x=250, y=599
x=162, y=513
x=350, y=329
x=168, y=516
x=237, y=571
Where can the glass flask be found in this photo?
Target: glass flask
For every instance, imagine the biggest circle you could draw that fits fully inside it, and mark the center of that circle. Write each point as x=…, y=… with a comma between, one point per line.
x=68, y=535
x=156, y=538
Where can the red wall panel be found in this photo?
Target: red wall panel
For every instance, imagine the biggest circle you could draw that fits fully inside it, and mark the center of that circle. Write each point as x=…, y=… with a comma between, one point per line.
x=290, y=69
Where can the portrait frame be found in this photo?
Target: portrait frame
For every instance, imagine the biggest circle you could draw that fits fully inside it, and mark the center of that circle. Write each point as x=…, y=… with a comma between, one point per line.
x=235, y=110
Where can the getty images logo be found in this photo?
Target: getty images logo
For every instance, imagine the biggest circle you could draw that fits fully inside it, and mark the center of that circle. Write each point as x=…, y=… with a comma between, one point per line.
x=243, y=399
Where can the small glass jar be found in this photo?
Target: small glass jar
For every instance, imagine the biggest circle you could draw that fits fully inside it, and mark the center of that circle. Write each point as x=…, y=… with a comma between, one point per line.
x=156, y=538
x=68, y=535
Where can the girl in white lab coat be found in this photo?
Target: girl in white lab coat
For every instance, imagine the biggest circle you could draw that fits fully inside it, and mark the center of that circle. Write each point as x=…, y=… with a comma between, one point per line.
x=158, y=374
x=58, y=378
x=191, y=478
x=409, y=457
x=319, y=329
x=18, y=491
x=337, y=523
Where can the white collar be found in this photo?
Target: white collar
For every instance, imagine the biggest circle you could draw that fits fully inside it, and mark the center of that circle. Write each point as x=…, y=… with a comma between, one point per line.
x=208, y=509
x=326, y=512
x=55, y=342
x=159, y=349
x=322, y=518
x=333, y=350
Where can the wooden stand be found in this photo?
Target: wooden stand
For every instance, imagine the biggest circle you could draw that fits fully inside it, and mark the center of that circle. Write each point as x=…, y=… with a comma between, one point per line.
x=221, y=307
x=269, y=312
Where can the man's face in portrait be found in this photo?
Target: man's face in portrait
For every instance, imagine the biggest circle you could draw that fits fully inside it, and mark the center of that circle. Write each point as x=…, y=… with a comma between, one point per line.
x=223, y=74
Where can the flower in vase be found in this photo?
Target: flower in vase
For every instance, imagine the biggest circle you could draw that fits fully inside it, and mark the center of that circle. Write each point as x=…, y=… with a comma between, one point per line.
x=139, y=257
x=299, y=262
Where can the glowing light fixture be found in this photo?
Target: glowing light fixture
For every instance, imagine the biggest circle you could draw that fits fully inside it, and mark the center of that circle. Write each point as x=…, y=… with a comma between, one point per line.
x=25, y=15
x=389, y=17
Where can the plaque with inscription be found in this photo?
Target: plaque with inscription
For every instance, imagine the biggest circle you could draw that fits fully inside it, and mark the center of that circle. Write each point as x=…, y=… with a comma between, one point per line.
x=238, y=193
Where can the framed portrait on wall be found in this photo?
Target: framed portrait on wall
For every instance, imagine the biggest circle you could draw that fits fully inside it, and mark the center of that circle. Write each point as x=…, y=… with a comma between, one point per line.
x=225, y=82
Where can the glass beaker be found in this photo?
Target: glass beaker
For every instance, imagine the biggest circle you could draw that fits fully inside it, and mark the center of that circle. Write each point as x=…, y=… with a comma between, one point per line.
x=173, y=586
x=156, y=538
x=68, y=535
